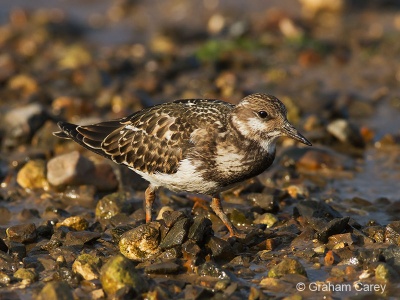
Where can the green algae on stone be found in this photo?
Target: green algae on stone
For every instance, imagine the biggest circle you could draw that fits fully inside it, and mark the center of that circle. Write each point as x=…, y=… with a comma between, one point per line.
x=118, y=273
x=386, y=273
x=56, y=290
x=26, y=274
x=287, y=266
x=141, y=242
x=76, y=222
x=267, y=219
x=87, y=266
x=112, y=204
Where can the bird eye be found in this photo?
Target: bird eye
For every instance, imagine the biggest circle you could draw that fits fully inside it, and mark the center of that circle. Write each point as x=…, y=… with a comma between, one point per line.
x=262, y=114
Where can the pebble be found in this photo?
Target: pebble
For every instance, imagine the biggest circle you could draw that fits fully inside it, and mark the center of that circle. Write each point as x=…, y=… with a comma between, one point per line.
x=75, y=169
x=163, y=268
x=392, y=233
x=287, y=266
x=87, y=266
x=113, y=204
x=3, y=246
x=76, y=223
x=267, y=219
x=21, y=123
x=170, y=217
x=17, y=250
x=384, y=272
x=334, y=226
x=176, y=234
x=56, y=290
x=141, y=243
x=220, y=249
x=266, y=201
x=212, y=270
x=318, y=159
x=200, y=229
x=24, y=233
x=346, y=132
x=81, y=237
x=119, y=273
x=4, y=279
x=377, y=233
x=316, y=209
x=33, y=175
x=27, y=275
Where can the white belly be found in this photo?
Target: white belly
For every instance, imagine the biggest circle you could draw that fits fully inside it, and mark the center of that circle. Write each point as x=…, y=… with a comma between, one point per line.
x=187, y=179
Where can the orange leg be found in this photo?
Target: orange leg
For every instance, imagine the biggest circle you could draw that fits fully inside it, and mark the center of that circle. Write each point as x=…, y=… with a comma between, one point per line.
x=198, y=202
x=149, y=197
x=217, y=208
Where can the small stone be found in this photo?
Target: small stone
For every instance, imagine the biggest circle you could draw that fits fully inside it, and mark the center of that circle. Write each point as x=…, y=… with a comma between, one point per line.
x=3, y=246
x=176, y=234
x=322, y=159
x=190, y=249
x=17, y=250
x=75, y=169
x=200, y=229
x=213, y=270
x=7, y=263
x=266, y=219
x=329, y=258
x=274, y=284
x=56, y=290
x=171, y=217
x=346, y=132
x=386, y=273
x=76, y=223
x=142, y=242
x=81, y=237
x=87, y=266
x=162, y=211
x=377, y=233
x=24, y=233
x=113, y=204
x=220, y=249
x=343, y=238
x=4, y=279
x=334, y=226
x=320, y=249
x=392, y=233
x=267, y=202
x=69, y=169
x=28, y=275
x=21, y=123
x=287, y=266
x=163, y=268
x=238, y=218
x=119, y=273
x=33, y=175
x=316, y=209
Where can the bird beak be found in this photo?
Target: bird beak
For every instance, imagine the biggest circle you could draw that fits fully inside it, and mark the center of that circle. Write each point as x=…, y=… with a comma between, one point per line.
x=292, y=132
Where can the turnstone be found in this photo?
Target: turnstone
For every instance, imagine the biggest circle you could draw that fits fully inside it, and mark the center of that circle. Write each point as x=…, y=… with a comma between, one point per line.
x=197, y=145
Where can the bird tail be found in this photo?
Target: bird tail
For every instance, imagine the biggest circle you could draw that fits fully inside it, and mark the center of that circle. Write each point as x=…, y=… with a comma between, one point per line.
x=90, y=136
x=68, y=130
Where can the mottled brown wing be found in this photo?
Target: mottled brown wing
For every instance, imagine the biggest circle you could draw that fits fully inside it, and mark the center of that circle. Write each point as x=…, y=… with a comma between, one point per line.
x=154, y=139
